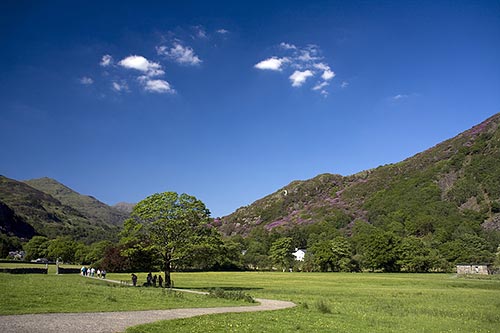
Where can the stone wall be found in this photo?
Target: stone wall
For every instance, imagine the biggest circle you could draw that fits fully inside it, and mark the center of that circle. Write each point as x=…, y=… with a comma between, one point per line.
x=473, y=269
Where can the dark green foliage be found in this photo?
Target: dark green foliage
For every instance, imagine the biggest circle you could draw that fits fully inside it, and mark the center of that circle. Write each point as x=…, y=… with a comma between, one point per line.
x=335, y=255
x=7, y=244
x=37, y=247
x=281, y=253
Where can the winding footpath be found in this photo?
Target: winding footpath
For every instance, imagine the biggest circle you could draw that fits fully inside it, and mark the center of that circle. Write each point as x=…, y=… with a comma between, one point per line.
x=111, y=322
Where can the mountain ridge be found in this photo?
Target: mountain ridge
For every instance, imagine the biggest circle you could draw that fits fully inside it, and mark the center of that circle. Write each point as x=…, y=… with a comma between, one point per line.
x=449, y=169
x=48, y=216
x=91, y=207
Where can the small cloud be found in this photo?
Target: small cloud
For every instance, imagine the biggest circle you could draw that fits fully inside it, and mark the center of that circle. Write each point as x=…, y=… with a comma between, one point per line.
x=222, y=31
x=287, y=46
x=86, y=81
x=344, y=84
x=142, y=64
x=399, y=97
x=119, y=86
x=200, y=32
x=181, y=54
x=273, y=64
x=298, y=78
x=158, y=86
x=306, y=56
x=328, y=75
x=320, y=85
x=106, y=60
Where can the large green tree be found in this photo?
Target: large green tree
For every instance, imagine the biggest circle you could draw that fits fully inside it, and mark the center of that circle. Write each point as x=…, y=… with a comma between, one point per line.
x=172, y=225
x=281, y=253
x=36, y=247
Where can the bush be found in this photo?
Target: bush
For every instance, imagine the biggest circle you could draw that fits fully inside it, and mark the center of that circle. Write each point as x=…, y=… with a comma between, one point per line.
x=234, y=295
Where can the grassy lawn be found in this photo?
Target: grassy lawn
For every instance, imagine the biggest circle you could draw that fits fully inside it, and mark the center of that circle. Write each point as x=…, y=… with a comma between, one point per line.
x=348, y=303
x=41, y=293
x=326, y=302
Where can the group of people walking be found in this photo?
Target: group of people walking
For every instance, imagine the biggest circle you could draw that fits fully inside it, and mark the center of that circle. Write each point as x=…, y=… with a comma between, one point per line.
x=151, y=281
x=92, y=272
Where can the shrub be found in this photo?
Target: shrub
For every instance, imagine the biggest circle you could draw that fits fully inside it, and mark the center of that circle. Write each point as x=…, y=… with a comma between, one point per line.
x=235, y=295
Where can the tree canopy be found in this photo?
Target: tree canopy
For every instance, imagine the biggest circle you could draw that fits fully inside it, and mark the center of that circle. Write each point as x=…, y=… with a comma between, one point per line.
x=175, y=227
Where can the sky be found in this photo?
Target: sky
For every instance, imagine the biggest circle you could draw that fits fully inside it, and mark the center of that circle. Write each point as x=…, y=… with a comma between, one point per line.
x=232, y=100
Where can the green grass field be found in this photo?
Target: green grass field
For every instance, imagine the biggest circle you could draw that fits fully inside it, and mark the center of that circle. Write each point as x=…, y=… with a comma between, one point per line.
x=51, y=293
x=326, y=302
x=336, y=302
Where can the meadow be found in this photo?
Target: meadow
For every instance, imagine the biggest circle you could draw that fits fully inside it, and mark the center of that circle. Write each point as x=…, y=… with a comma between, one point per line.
x=51, y=293
x=338, y=302
x=326, y=302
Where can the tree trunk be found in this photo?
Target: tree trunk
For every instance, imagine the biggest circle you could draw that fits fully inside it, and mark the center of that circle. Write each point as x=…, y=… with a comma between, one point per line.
x=168, y=281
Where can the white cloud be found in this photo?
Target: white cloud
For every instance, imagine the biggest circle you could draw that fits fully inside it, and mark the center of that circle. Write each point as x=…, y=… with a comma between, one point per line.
x=181, y=54
x=142, y=64
x=86, y=80
x=158, y=86
x=287, y=46
x=344, y=84
x=222, y=31
x=305, y=62
x=298, y=78
x=399, y=97
x=272, y=63
x=106, y=60
x=119, y=86
x=320, y=85
x=200, y=32
x=328, y=75
x=306, y=56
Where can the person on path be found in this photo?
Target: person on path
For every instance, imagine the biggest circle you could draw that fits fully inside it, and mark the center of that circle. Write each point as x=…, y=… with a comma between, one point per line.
x=149, y=279
x=103, y=273
x=154, y=280
x=134, y=279
x=160, y=281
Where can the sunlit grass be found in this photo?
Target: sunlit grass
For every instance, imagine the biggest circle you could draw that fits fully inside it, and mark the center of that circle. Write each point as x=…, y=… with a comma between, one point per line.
x=349, y=303
x=41, y=293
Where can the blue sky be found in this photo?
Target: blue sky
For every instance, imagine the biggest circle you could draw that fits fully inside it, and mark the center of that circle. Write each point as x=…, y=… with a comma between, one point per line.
x=230, y=101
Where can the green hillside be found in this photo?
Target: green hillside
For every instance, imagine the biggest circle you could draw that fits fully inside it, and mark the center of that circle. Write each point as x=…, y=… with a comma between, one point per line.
x=49, y=216
x=447, y=197
x=92, y=208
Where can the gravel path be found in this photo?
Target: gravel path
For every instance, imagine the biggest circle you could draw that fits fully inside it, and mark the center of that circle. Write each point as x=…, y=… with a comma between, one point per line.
x=117, y=321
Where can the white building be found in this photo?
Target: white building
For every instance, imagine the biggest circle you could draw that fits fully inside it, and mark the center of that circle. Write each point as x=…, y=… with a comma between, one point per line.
x=299, y=254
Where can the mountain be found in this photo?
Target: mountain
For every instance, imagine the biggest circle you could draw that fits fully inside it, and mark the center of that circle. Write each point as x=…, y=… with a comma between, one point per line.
x=91, y=208
x=124, y=207
x=47, y=215
x=455, y=184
